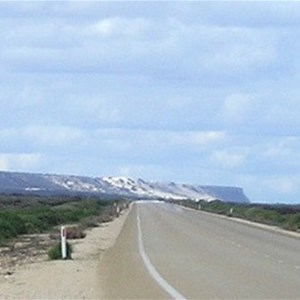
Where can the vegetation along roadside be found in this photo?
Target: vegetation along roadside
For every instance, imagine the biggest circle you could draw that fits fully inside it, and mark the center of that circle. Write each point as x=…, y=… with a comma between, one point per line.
x=20, y=215
x=285, y=216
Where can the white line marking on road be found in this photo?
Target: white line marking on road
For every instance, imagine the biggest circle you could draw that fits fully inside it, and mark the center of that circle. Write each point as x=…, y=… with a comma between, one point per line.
x=151, y=269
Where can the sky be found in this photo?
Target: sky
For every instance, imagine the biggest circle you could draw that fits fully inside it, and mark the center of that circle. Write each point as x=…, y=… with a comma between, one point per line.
x=204, y=93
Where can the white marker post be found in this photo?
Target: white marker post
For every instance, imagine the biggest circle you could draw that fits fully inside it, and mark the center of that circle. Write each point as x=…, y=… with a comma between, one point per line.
x=63, y=235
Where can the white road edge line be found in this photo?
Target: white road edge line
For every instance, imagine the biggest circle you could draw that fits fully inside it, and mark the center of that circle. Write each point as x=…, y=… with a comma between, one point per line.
x=151, y=269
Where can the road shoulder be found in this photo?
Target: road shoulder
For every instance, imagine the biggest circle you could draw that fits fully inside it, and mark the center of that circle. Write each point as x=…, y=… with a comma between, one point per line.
x=74, y=279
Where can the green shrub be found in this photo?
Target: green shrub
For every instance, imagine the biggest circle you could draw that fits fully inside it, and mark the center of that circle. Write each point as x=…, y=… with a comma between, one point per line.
x=39, y=219
x=292, y=222
x=55, y=251
x=10, y=225
x=34, y=214
x=6, y=230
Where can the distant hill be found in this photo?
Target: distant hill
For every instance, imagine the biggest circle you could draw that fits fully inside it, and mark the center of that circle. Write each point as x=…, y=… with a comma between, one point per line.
x=13, y=182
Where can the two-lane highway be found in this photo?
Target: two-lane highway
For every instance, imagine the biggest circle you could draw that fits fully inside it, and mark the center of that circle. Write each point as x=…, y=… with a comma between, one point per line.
x=166, y=251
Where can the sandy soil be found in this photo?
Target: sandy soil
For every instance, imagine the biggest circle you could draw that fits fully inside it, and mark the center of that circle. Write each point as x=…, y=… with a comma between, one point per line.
x=71, y=279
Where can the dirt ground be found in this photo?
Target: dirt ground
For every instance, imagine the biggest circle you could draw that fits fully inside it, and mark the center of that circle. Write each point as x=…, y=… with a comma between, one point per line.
x=27, y=273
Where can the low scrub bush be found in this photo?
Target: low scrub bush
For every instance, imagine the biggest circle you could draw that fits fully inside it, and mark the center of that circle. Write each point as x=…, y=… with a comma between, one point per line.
x=75, y=233
x=55, y=251
x=285, y=216
x=292, y=222
x=10, y=225
x=42, y=216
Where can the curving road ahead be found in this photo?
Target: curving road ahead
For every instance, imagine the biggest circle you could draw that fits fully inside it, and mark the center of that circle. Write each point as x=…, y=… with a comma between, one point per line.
x=167, y=251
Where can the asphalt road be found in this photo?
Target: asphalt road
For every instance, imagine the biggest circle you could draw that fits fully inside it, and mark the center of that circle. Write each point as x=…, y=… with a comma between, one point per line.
x=167, y=251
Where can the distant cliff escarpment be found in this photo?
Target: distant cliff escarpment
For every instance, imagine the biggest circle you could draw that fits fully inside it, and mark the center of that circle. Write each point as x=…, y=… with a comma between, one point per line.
x=13, y=182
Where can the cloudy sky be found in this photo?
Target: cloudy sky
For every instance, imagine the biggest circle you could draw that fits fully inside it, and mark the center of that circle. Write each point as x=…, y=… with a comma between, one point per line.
x=194, y=92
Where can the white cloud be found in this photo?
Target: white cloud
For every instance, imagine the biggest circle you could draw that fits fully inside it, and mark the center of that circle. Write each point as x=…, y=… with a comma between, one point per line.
x=103, y=109
x=282, y=185
x=245, y=14
x=284, y=148
x=139, y=46
x=227, y=159
x=240, y=49
x=239, y=108
x=196, y=138
x=19, y=161
x=54, y=135
x=120, y=27
x=42, y=135
x=8, y=133
x=150, y=146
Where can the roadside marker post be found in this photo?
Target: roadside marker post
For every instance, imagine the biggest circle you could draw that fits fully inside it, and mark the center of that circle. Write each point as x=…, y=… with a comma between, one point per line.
x=63, y=234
